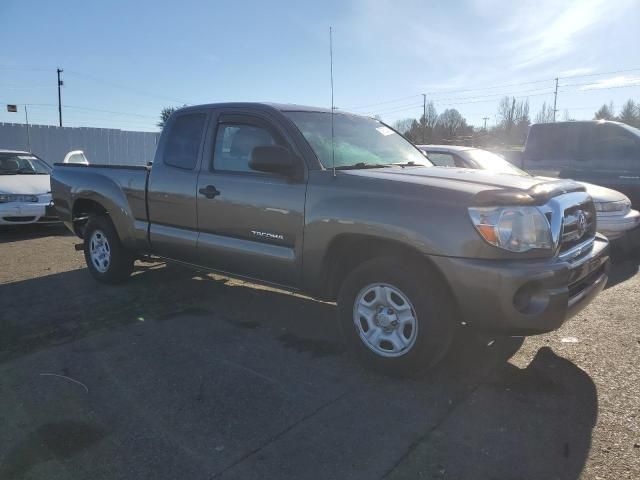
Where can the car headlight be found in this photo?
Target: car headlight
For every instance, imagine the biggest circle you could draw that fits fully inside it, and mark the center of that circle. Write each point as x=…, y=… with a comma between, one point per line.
x=617, y=206
x=11, y=197
x=517, y=229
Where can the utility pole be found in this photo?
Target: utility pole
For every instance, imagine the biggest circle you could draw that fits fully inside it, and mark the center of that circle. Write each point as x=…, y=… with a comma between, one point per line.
x=60, y=83
x=555, y=101
x=485, y=122
x=424, y=118
x=26, y=119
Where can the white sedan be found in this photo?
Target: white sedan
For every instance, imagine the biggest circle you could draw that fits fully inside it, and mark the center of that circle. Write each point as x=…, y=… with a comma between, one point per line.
x=25, y=189
x=613, y=209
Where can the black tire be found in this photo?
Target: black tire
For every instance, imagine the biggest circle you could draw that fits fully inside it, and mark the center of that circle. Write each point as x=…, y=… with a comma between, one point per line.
x=120, y=264
x=434, y=308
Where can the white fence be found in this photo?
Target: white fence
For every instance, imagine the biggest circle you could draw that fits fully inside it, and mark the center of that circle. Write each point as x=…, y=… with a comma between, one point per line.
x=101, y=145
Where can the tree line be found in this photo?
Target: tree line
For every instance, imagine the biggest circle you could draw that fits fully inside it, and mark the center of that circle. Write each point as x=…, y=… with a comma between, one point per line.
x=513, y=121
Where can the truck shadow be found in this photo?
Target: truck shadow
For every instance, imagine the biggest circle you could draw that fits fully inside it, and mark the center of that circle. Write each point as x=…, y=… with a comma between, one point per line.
x=529, y=423
x=497, y=421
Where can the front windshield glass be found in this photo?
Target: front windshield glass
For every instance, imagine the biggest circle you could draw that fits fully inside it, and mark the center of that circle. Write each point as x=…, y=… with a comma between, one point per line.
x=357, y=140
x=22, y=164
x=495, y=163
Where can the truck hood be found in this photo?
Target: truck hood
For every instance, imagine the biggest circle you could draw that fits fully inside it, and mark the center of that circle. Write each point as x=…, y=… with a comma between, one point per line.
x=25, y=184
x=489, y=188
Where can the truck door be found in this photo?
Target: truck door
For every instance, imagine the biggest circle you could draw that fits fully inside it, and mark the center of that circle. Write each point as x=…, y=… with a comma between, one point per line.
x=171, y=192
x=250, y=223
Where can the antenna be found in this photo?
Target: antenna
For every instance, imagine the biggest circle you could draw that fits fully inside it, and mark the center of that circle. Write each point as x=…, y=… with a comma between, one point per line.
x=333, y=152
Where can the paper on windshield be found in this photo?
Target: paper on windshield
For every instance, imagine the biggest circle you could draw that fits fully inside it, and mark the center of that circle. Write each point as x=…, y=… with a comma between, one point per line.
x=385, y=131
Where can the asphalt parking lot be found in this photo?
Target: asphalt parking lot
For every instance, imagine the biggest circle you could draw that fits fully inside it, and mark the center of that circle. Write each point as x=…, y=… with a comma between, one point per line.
x=183, y=374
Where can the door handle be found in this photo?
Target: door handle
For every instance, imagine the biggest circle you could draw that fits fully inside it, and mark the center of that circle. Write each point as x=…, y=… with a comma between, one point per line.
x=209, y=191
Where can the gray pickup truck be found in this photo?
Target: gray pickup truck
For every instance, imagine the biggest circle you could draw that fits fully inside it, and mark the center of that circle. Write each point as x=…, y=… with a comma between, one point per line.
x=343, y=208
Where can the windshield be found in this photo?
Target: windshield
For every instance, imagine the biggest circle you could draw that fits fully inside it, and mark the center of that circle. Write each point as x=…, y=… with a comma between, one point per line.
x=491, y=161
x=22, y=164
x=357, y=141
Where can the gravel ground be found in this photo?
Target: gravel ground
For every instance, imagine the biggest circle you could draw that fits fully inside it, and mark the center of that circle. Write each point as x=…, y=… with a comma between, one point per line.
x=191, y=375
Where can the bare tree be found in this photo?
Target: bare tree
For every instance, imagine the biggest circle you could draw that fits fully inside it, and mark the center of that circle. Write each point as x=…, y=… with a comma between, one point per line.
x=506, y=112
x=431, y=118
x=451, y=121
x=403, y=125
x=630, y=113
x=566, y=116
x=165, y=113
x=605, y=112
x=545, y=115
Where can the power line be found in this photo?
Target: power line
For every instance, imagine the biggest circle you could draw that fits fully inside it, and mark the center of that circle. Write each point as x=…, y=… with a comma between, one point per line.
x=87, y=109
x=125, y=88
x=416, y=105
x=445, y=91
x=595, y=89
x=384, y=103
x=603, y=73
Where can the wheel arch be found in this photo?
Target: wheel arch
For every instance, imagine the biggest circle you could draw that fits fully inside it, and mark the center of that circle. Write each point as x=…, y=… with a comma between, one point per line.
x=82, y=209
x=347, y=251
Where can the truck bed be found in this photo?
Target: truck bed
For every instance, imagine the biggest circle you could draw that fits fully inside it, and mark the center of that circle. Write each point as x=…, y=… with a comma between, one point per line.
x=116, y=187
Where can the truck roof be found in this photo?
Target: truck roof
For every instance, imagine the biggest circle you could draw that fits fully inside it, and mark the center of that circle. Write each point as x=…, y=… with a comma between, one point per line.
x=446, y=148
x=574, y=122
x=281, y=107
x=2, y=150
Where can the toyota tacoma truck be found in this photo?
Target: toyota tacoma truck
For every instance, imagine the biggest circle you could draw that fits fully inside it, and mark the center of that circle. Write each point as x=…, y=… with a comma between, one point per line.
x=343, y=208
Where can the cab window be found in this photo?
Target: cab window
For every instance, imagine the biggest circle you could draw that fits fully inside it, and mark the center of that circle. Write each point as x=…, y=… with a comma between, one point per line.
x=183, y=141
x=234, y=144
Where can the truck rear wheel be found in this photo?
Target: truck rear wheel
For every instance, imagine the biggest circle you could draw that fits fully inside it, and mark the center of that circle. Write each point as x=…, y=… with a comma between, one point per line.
x=106, y=257
x=398, y=318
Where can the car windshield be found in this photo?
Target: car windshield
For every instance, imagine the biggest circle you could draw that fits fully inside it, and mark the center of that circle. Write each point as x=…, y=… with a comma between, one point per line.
x=358, y=141
x=22, y=164
x=491, y=161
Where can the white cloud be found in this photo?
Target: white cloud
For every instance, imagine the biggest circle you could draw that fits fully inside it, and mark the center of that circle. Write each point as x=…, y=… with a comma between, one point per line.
x=576, y=72
x=613, y=82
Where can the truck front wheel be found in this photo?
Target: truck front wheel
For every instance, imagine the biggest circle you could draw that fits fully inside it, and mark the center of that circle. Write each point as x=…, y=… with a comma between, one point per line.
x=106, y=257
x=397, y=317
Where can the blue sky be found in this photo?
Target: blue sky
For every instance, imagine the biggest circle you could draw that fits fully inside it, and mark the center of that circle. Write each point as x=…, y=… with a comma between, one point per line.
x=125, y=60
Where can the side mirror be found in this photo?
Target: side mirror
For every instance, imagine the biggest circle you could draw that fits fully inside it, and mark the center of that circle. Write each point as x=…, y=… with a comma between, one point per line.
x=272, y=159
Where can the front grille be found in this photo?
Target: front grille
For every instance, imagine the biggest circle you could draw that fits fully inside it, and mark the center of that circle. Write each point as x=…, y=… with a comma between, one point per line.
x=578, y=225
x=19, y=219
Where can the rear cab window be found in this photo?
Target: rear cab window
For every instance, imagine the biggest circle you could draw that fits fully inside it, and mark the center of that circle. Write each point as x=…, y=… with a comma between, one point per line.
x=183, y=141
x=556, y=141
x=441, y=159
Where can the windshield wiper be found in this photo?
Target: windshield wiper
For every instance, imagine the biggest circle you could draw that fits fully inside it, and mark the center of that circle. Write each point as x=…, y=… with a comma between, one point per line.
x=410, y=164
x=361, y=165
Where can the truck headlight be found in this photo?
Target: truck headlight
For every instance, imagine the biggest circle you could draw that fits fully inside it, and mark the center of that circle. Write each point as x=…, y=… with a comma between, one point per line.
x=517, y=229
